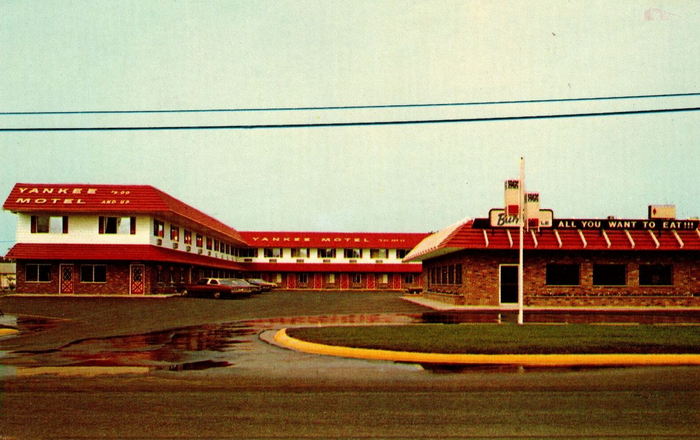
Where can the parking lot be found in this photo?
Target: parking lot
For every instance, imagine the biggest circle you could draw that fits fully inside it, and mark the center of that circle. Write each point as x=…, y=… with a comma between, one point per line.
x=200, y=369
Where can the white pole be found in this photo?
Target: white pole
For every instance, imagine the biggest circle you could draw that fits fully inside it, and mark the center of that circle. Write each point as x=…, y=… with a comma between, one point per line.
x=520, y=248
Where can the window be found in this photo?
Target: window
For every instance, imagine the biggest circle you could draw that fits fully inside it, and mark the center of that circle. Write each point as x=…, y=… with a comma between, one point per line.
x=93, y=273
x=300, y=252
x=609, y=274
x=330, y=278
x=45, y=224
x=408, y=279
x=379, y=253
x=273, y=252
x=356, y=278
x=248, y=252
x=326, y=253
x=383, y=278
x=210, y=243
x=562, y=275
x=458, y=274
x=655, y=275
x=188, y=236
x=38, y=273
x=352, y=253
x=302, y=278
x=158, y=228
x=174, y=233
x=200, y=240
x=400, y=253
x=117, y=225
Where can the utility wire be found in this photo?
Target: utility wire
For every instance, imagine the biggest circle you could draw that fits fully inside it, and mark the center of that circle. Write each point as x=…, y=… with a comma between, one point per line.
x=352, y=124
x=352, y=107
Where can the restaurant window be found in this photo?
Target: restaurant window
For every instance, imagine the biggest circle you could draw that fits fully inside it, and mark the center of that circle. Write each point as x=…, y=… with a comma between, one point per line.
x=326, y=253
x=37, y=273
x=352, y=253
x=93, y=273
x=200, y=240
x=609, y=274
x=655, y=275
x=174, y=233
x=158, y=228
x=188, y=236
x=273, y=252
x=562, y=275
x=379, y=253
x=46, y=224
x=458, y=274
x=300, y=252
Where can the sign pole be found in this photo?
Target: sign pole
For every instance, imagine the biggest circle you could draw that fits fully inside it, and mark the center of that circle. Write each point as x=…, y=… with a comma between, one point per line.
x=523, y=219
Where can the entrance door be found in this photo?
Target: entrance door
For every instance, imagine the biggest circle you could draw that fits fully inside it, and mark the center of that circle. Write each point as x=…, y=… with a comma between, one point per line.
x=509, y=283
x=67, y=284
x=136, y=279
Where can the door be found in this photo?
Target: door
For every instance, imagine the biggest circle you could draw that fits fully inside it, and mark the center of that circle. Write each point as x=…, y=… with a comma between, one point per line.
x=136, y=279
x=508, y=281
x=67, y=284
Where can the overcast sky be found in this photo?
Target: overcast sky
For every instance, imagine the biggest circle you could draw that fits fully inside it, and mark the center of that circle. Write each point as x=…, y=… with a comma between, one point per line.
x=155, y=55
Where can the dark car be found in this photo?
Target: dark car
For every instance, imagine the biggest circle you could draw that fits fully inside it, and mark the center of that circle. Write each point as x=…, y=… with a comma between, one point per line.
x=243, y=284
x=265, y=286
x=218, y=288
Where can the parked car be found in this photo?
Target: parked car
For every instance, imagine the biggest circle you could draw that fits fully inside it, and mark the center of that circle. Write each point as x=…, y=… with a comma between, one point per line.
x=245, y=284
x=217, y=288
x=265, y=286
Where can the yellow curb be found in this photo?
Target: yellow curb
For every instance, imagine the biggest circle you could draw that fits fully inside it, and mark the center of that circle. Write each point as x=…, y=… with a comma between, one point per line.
x=8, y=331
x=532, y=360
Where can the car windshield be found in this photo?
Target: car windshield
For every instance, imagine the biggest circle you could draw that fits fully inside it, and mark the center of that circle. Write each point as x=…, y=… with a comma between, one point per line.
x=256, y=280
x=227, y=282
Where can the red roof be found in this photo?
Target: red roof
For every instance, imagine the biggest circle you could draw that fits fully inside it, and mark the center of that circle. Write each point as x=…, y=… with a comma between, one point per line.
x=115, y=199
x=333, y=267
x=363, y=240
x=465, y=236
x=113, y=252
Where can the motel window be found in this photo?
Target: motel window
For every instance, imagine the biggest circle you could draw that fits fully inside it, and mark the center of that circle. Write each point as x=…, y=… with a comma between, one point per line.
x=383, y=278
x=248, y=252
x=188, y=236
x=200, y=240
x=330, y=278
x=302, y=278
x=45, y=224
x=326, y=253
x=352, y=253
x=408, y=279
x=93, y=273
x=609, y=274
x=300, y=252
x=400, y=253
x=356, y=278
x=158, y=228
x=562, y=275
x=37, y=273
x=174, y=233
x=379, y=253
x=117, y=225
x=655, y=275
x=273, y=252
x=210, y=243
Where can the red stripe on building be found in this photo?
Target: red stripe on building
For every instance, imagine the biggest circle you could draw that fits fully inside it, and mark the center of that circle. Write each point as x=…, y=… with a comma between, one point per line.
x=361, y=240
x=332, y=267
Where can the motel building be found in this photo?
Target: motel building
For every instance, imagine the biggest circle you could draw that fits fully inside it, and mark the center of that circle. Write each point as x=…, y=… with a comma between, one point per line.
x=136, y=239
x=652, y=261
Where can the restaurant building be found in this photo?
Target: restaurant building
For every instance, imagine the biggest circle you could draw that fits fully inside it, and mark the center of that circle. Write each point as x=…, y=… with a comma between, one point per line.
x=653, y=261
x=136, y=239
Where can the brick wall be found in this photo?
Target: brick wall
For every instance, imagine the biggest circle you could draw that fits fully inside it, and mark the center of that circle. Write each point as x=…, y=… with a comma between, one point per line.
x=480, y=278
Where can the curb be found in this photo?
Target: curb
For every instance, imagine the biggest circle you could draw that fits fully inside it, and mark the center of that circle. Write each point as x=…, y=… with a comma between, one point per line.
x=529, y=360
x=8, y=331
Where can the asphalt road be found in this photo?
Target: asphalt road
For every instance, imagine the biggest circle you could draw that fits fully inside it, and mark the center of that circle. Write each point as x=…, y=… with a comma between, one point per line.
x=268, y=392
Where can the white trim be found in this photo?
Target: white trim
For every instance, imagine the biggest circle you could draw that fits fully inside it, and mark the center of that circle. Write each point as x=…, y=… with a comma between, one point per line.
x=653, y=237
x=556, y=234
x=534, y=238
x=583, y=239
x=678, y=238
x=510, y=237
x=629, y=237
x=486, y=237
x=605, y=236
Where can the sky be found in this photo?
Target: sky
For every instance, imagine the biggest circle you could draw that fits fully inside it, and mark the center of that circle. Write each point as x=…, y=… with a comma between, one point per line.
x=87, y=55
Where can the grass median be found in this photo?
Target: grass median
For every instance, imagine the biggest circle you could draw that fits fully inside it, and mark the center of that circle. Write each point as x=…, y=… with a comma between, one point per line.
x=511, y=338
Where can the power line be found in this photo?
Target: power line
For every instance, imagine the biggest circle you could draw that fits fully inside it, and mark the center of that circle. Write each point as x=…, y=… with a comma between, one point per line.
x=352, y=124
x=353, y=107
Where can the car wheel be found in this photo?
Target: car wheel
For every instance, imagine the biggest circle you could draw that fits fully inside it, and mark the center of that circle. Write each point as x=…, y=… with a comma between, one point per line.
x=185, y=292
x=217, y=295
